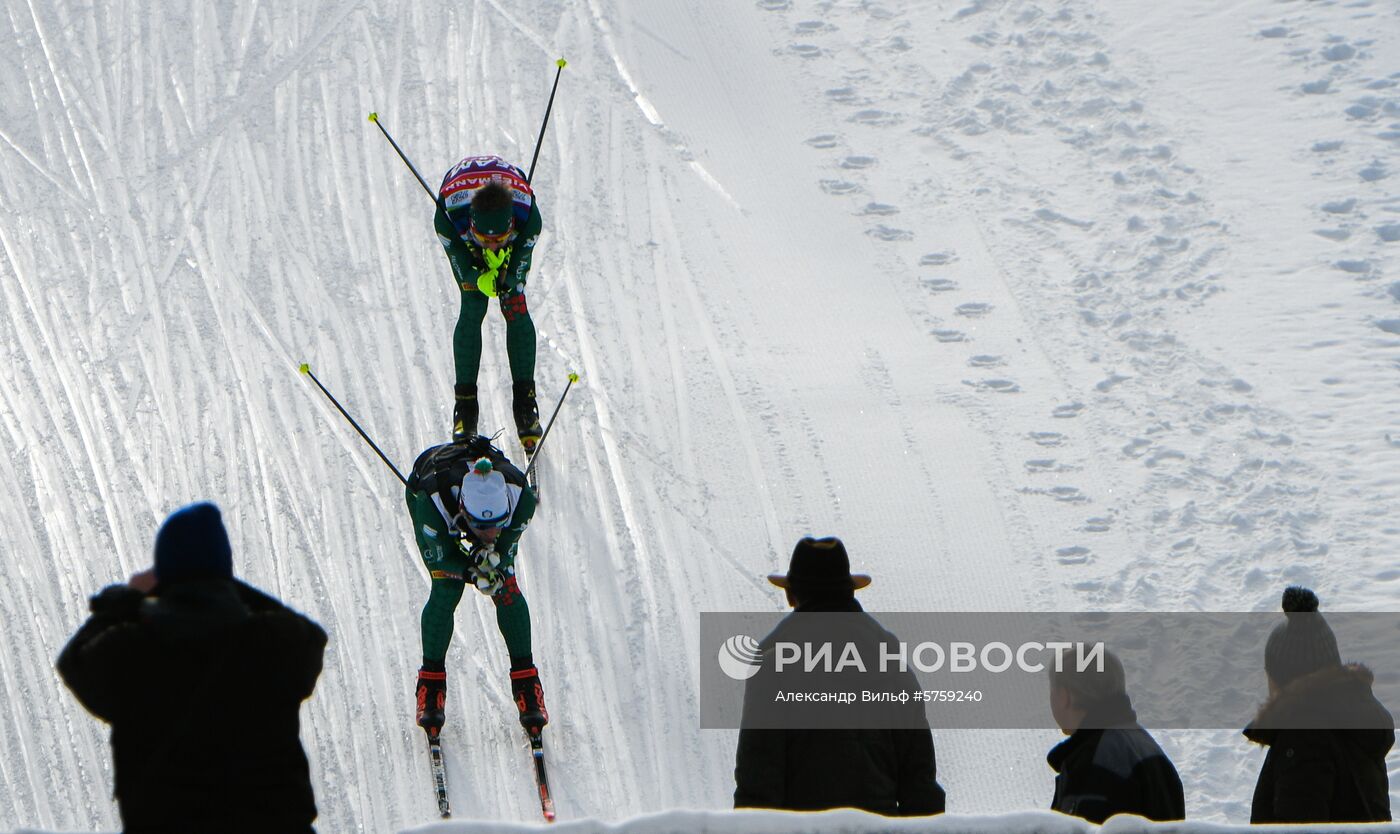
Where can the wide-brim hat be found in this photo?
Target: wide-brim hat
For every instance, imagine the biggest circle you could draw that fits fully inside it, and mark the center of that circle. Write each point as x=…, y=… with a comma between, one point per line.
x=820, y=563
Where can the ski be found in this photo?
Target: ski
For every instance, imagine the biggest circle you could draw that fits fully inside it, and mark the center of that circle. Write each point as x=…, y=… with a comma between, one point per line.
x=439, y=773
x=534, y=474
x=541, y=780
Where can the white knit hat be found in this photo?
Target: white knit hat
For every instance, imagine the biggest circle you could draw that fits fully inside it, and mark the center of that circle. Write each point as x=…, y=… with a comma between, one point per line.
x=485, y=498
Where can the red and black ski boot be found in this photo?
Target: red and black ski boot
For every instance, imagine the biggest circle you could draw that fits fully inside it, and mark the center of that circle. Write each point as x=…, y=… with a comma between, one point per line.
x=432, y=700
x=529, y=699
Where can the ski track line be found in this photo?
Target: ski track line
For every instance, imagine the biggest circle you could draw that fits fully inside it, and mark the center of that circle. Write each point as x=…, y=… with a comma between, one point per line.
x=63, y=99
x=611, y=468
x=42, y=171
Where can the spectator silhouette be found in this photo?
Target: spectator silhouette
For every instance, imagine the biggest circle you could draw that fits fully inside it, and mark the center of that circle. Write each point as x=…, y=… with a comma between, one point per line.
x=888, y=770
x=201, y=677
x=1326, y=733
x=1109, y=764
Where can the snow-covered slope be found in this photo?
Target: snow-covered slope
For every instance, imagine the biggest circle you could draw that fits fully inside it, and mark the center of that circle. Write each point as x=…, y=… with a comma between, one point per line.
x=1039, y=305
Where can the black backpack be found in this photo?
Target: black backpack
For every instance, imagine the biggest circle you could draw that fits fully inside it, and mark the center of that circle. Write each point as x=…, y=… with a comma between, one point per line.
x=441, y=468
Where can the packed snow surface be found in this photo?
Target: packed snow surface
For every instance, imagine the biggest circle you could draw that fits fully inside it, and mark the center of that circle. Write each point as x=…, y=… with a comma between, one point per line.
x=1039, y=304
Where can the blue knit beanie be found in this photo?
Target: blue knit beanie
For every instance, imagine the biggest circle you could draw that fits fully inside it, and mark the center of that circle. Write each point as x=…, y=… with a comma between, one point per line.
x=192, y=544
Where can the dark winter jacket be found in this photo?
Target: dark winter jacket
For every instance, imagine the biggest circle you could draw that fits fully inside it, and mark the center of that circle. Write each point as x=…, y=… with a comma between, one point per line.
x=202, y=683
x=881, y=770
x=1118, y=769
x=1323, y=775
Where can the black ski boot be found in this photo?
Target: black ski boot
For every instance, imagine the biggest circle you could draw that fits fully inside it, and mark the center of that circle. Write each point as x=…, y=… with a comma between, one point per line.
x=529, y=699
x=432, y=700
x=527, y=416
x=464, y=413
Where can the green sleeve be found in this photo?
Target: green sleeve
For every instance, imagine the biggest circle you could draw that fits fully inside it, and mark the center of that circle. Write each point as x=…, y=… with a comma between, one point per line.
x=523, y=249
x=524, y=511
x=464, y=266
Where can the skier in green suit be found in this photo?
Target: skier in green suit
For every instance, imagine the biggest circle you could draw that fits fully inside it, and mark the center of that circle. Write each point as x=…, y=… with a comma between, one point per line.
x=488, y=223
x=469, y=506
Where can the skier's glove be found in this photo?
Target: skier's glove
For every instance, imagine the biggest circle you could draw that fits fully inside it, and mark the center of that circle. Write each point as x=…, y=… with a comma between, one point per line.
x=485, y=569
x=486, y=283
x=495, y=261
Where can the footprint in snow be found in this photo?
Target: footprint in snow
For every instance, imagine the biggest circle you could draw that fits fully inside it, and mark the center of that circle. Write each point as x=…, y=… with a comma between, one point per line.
x=839, y=187
x=1040, y=465
x=1067, y=411
x=1337, y=235
x=1339, y=206
x=1339, y=52
x=973, y=309
x=1063, y=494
x=880, y=209
x=939, y=284
x=805, y=50
x=1048, y=439
x=937, y=259
x=807, y=27
x=877, y=118
x=995, y=386
x=1075, y=555
x=775, y=5
x=889, y=234
x=1274, y=32
x=949, y=335
x=986, y=361
x=1098, y=524
x=824, y=141
x=858, y=162
x=1110, y=382
x=1354, y=267
x=1391, y=326
x=1374, y=172
x=1389, y=233
x=1055, y=217
x=1069, y=495
x=1163, y=455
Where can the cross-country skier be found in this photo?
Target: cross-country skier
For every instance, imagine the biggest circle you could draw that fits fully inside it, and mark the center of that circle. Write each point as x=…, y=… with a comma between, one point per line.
x=488, y=223
x=469, y=505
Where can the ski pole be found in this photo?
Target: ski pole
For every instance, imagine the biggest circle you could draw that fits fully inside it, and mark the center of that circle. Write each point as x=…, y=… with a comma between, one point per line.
x=374, y=117
x=561, y=63
x=573, y=377
x=306, y=369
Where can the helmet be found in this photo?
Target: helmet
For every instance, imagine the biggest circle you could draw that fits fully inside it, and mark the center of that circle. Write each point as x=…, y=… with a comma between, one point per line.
x=486, y=500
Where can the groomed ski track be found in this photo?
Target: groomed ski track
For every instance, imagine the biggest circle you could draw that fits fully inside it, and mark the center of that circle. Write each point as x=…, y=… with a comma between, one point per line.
x=974, y=285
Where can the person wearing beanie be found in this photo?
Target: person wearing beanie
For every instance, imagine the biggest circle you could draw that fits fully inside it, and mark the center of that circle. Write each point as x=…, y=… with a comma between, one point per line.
x=488, y=222
x=184, y=657
x=469, y=506
x=1109, y=764
x=886, y=769
x=1327, y=735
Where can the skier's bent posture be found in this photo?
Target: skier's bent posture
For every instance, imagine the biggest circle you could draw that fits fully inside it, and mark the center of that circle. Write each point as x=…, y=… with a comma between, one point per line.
x=488, y=223
x=469, y=505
